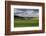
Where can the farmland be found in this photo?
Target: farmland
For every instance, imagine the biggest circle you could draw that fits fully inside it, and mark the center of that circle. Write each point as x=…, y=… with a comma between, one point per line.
x=26, y=23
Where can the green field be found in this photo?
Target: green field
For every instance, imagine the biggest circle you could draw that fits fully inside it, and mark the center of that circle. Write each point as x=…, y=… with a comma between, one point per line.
x=26, y=23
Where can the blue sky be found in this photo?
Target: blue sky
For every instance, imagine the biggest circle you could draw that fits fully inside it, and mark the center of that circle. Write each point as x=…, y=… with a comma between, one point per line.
x=26, y=12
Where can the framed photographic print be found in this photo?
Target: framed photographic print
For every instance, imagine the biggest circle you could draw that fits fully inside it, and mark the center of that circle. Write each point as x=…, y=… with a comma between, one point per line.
x=24, y=17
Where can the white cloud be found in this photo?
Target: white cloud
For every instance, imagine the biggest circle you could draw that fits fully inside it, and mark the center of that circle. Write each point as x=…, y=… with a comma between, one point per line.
x=27, y=13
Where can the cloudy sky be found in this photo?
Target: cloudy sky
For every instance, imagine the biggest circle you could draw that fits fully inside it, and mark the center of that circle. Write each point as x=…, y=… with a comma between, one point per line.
x=26, y=12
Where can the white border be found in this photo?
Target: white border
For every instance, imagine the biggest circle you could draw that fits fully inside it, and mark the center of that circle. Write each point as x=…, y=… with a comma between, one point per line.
x=26, y=28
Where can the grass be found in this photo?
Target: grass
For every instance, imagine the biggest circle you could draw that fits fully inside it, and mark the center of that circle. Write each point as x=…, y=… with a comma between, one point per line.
x=26, y=23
